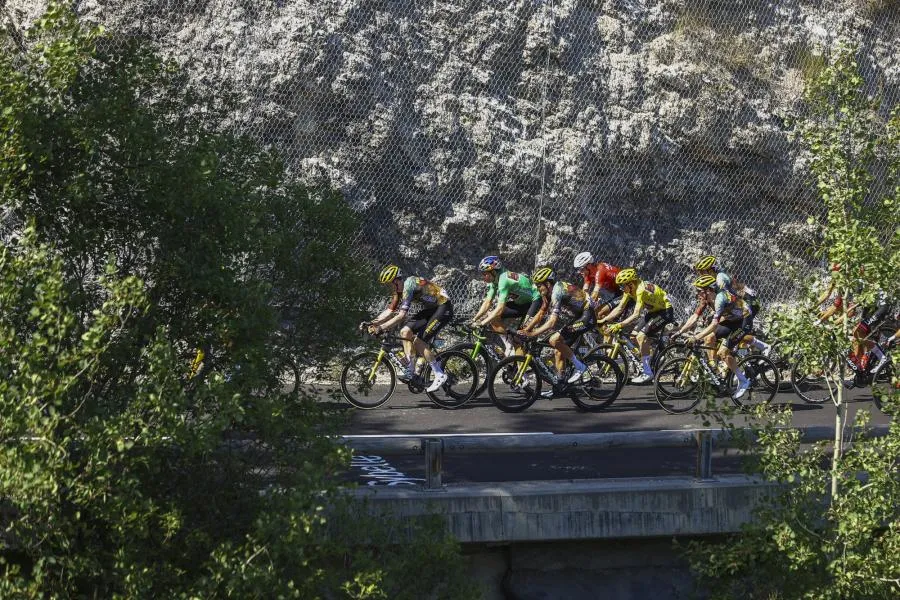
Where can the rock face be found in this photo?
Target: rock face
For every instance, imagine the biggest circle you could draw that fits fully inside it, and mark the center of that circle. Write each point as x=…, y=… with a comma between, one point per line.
x=648, y=131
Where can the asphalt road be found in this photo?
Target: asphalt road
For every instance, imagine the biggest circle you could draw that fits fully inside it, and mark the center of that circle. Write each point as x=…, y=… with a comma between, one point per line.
x=634, y=410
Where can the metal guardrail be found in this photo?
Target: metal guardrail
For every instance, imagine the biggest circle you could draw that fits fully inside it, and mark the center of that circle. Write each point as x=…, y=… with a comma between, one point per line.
x=704, y=440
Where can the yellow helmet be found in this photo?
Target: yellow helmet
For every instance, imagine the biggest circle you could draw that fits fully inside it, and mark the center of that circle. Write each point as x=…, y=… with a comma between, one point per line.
x=707, y=262
x=627, y=276
x=389, y=273
x=543, y=274
x=705, y=281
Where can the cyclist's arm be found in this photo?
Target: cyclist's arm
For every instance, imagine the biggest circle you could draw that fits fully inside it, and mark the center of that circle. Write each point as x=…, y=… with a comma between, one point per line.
x=498, y=310
x=483, y=308
x=532, y=322
x=689, y=324
x=634, y=315
x=547, y=326
x=388, y=312
x=618, y=310
x=708, y=329
x=394, y=321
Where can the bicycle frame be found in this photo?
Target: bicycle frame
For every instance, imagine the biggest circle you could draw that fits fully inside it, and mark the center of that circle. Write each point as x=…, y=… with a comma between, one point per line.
x=387, y=350
x=480, y=345
x=696, y=358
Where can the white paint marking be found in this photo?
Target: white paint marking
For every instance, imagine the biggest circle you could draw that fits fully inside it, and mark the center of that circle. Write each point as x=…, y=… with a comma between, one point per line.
x=418, y=435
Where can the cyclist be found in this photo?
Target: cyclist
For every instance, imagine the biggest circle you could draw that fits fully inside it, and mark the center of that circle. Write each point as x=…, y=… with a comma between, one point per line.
x=659, y=312
x=560, y=297
x=873, y=315
x=420, y=329
x=709, y=265
x=727, y=324
x=515, y=295
x=599, y=282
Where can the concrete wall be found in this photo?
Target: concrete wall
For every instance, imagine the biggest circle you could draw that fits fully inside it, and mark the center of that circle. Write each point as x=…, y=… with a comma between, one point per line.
x=578, y=510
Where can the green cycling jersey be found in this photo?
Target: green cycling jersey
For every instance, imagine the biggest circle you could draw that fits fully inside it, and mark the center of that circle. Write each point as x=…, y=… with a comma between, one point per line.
x=513, y=288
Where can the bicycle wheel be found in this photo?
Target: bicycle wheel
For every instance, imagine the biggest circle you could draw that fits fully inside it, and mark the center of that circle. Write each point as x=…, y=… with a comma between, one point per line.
x=513, y=386
x=601, y=385
x=815, y=381
x=678, y=385
x=367, y=382
x=288, y=376
x=483, y=364
x=784, y=366
x=673, y=350
x=763, y=376
x=462, y=379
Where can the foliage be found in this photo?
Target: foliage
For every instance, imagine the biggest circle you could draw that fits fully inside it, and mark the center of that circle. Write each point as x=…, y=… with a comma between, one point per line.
x=833, y=529
x=134, y=233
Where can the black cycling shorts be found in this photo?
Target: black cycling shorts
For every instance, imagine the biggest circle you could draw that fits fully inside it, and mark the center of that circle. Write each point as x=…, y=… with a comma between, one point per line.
x=517, y=311
x=752, y=310
x=428, y=322
x=575, y=329
x=653, y=322
x=732, y=331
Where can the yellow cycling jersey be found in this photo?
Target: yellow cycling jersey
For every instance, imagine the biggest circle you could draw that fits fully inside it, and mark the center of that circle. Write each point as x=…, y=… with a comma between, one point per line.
x=650, y=296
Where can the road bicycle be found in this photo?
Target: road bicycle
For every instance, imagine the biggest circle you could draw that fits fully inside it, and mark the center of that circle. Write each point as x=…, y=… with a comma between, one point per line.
x=814, y=380
x=627, y=355
x=683, y=381
x=369, y=378
x=516, y=381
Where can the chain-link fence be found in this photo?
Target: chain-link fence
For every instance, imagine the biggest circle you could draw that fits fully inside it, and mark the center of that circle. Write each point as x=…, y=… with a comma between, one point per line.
x=647, y=131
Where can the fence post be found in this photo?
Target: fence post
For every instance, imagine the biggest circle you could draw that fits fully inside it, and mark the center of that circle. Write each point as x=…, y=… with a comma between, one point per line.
x=704, y=454
x=434, y=459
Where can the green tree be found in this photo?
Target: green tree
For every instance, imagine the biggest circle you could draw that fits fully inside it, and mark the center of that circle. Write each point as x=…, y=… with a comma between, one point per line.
x=833, y=529
x=135, y=232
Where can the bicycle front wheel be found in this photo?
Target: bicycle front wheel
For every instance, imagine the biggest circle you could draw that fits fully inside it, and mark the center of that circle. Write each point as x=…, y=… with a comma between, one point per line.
x=368, y=382
x=483, y=363
x=763, y=375
x=600, y=385
x=462, y=379
x=678, y=385
x=814, y=381
x=514, y=386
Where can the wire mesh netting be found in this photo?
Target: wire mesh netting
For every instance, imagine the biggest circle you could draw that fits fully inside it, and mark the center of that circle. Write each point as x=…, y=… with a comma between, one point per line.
x=649, y=132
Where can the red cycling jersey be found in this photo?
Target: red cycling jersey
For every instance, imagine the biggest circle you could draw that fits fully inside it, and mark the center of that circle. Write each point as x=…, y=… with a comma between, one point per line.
x=602, y=275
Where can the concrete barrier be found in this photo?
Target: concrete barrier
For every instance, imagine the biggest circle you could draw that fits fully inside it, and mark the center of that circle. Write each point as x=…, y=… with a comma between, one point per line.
x=578, y=510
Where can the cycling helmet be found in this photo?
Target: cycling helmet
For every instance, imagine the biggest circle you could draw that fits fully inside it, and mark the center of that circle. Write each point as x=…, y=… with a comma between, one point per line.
x=489, y=263
x=705, y=281
x=389, y=274
x=707, y=262
x=626, y=276
x=583, y=259
x=543, y=274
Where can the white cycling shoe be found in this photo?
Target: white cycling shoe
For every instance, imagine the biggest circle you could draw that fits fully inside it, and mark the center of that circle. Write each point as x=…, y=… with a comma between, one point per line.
x=439, y=380
x=642, y=378
x=577, y=374
x=742, y=389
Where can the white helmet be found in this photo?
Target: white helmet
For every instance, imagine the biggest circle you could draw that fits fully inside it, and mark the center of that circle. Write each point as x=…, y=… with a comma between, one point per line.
x=583, y=258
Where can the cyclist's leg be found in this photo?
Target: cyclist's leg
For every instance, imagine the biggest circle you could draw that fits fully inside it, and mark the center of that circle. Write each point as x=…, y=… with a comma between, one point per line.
x=511, y=311
x=412, y=332
x=442, y=315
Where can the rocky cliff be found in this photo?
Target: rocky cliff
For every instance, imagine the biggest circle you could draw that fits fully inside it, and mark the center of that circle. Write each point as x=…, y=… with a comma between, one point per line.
x=649, y=131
